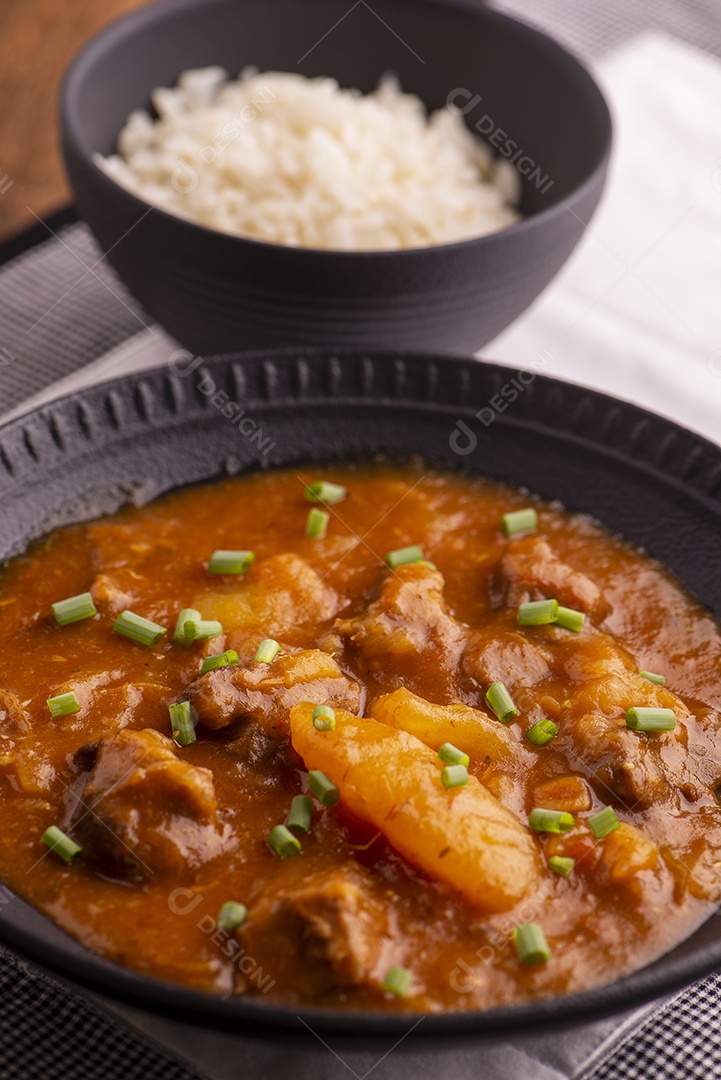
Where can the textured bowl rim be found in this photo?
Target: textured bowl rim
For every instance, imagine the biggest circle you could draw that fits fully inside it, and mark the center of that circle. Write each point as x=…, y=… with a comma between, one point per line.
x=150, y=400
x=127, y=26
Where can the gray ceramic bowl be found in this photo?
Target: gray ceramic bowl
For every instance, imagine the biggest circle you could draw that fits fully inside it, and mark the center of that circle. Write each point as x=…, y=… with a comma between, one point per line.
x=216, y=292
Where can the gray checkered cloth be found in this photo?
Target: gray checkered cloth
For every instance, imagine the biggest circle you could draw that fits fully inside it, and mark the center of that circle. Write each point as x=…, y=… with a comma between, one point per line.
x=61, y=308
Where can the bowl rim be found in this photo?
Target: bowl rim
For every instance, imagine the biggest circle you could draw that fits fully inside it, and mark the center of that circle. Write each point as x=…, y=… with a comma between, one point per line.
x=126, y=26
x=70, y=959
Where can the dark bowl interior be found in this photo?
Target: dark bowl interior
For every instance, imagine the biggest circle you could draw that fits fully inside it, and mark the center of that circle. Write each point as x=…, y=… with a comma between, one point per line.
x=138, y=437
x=216, y=292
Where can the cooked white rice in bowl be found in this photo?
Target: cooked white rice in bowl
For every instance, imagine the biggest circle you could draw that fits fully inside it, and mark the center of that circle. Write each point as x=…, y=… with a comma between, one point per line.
x=296, y=161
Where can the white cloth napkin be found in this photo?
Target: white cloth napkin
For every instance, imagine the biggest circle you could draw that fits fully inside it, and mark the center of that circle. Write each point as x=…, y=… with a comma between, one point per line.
x=635, y=313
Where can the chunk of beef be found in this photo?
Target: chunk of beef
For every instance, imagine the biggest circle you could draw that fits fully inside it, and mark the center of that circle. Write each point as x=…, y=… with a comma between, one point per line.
x=267, y=692
x=408, y=629
x=329, y=929
x=510, y=658
x=145, y=812
x=529, y=570
x=621, y=763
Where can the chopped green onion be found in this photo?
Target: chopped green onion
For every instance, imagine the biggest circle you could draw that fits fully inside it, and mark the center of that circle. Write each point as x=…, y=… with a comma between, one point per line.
x=519, y=521
x=501, y=702
x=220, y=660
x=60, y=844
x=231, y=916
x=454, y=776
x=181, y=723
x=267, y=651
x=553, y=821
x=561, y=865
x=650, y=719
x=401, y=556
x=74, y=609
x=324, y=789
x=570, y=619
x=323, y=718
x=660, y=680
x=300, y=814
x=316, y=525
x=604, y=822
x=187, y=615
x=282, y=841
x=63, y=705
x=542, y=732
x=324, y=492
x=231, y=562
x=538, y=613
x=451, y=755
x=202, y=629
x=141, y=631
x=397, y=981
x=531, y=944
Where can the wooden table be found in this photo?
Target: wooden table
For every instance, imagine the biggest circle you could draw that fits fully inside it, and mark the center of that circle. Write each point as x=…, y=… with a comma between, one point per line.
x=38, y=38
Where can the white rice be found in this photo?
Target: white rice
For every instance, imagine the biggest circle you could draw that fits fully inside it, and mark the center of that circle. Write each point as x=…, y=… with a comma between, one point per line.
x=301, y=162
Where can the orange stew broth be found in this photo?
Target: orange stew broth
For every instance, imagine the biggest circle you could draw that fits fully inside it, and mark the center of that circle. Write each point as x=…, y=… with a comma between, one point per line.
x=608, y=917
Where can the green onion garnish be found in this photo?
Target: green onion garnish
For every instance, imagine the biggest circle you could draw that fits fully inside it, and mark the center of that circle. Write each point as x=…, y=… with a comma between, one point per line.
x=63, y=705
x=401, y=556
x=451, y=755
x=267, y=651
x=316, y=525
x=397, y=981
x=140, y=630
x=187, y=615
x=202, y=629
x=542, y=732
x=231, y=916
x=561, y=865
x=60, y=844
x=538, y=612
x=220, y=660
x=74, y=609
x=300, y=813
x=501, y=702
x=282, y=841
x=453, y=776
x=553, y=821
x=650, y=719
x=531, y=944
x=604, y=822
x=324, y=492
x=323, y=718
x=519, y=521
x=324, y=789
x=181, y=723
x=572, y=620
x=660, y=680
x=231, y=562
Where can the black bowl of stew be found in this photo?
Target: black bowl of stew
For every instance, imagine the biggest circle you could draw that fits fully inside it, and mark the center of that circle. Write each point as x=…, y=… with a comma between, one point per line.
x=216, y=292
x=129, y=441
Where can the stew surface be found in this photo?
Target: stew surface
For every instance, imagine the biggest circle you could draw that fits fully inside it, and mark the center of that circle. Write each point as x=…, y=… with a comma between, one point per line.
x=399, y=871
